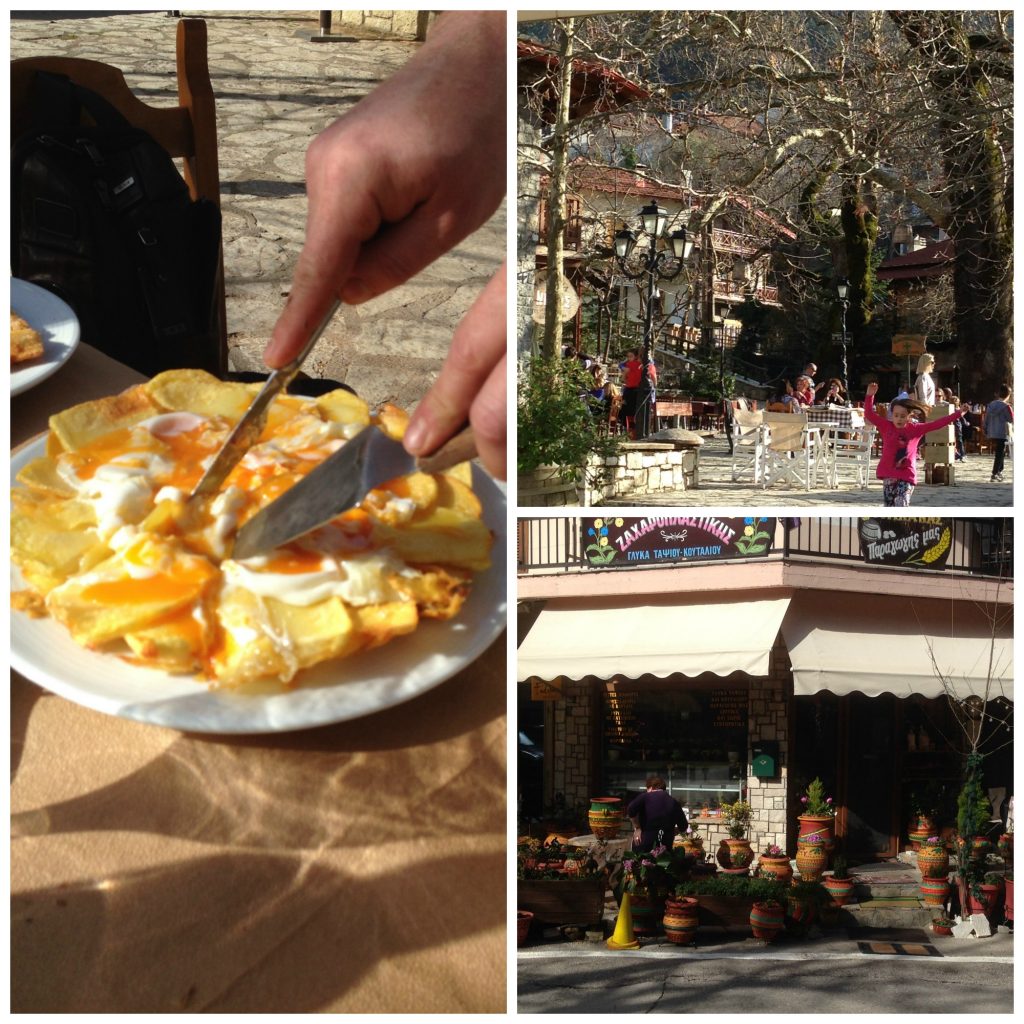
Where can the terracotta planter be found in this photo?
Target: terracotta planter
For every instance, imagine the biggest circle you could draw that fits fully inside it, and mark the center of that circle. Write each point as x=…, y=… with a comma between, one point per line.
x=933, y=861
x=577, y=901
x=778, y=868
x=799, y=915
x=925, y=823
x=767, y=920
x=942, y=929
x=735, y=855
x=840, y=889
x=1008, y=899
x=605, y=816
x=648, y=912
x=818, y=825
x=524, y=918
x=917, y=838
x=935, y=891
x=989, y=904
x=681, y=920
x=811, y=861
x=693, y=847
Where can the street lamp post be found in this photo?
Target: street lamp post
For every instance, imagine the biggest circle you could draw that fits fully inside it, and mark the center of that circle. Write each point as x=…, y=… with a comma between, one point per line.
x=654, y=265
x=843, y=291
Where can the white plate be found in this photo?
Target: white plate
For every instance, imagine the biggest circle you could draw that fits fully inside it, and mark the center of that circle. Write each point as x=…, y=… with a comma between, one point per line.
x=42, y=650
x=54, y=319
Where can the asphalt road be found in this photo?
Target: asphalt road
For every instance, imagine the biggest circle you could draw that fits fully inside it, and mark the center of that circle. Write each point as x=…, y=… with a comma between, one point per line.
x=627, y=984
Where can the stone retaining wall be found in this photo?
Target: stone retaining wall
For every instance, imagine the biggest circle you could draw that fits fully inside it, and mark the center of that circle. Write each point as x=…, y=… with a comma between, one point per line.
x=387, y=24
x=640, y=468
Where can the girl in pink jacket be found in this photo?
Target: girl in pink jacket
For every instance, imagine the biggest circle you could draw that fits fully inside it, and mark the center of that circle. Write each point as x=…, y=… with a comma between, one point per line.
x=901, y=436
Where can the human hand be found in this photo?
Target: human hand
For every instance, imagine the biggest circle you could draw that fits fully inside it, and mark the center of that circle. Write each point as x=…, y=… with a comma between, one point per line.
x=872, y=389
x=471, y=385
x=405, y=175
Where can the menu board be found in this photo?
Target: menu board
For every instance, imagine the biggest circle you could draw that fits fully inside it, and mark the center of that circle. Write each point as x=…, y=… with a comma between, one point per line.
x=923, y=543
x=680, y=725
x=621, y=541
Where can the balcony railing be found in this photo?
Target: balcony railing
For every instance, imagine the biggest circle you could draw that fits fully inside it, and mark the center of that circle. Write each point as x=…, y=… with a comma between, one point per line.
x=979, y=546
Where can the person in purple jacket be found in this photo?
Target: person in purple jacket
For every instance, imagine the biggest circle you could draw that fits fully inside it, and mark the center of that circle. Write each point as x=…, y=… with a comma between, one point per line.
x=655, y=815
x=897, y=468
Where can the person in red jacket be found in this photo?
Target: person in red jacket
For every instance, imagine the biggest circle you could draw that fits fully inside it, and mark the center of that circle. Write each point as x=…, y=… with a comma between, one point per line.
x=901, y=436
x=632, y=372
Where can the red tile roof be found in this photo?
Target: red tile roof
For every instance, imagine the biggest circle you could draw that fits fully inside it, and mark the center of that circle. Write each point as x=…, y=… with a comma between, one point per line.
x=931, y=261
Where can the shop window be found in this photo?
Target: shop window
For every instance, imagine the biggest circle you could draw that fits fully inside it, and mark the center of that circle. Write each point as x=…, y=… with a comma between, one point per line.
x=695, y=739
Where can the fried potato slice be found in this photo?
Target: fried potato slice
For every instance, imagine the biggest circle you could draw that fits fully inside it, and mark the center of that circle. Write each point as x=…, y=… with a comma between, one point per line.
x=175, y=645
x=248, y=648
x=41, y=475
x=317, y=632
x=379, y=623
x=26, y=341
x=201, y=393
x=341, y=406
x=81, y=424
x=392, y=420
x=51, y=541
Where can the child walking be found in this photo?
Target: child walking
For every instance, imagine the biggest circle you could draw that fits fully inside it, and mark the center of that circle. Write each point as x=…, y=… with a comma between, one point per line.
x=998, y=417
x=897, y=468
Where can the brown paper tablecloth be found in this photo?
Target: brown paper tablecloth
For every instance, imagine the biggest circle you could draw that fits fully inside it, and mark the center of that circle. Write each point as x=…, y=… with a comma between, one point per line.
x=358, y=867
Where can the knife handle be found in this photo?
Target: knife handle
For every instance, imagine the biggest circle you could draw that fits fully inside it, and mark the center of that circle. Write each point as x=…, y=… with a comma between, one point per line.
x=459, y=448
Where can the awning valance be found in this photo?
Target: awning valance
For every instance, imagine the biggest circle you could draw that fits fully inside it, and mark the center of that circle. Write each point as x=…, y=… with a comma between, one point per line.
x=660, y=637
x=900, y=646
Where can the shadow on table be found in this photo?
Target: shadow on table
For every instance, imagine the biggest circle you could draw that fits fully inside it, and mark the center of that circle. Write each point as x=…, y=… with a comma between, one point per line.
x=256, y=933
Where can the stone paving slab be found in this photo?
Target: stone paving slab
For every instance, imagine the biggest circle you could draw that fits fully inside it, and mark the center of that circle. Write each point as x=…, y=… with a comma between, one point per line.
x=275, y=91
x=973, y=488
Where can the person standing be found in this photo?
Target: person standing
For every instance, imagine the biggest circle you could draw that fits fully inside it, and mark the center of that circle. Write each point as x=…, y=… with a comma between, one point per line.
x=655, y=815
x=998, y=417
x=924, y=386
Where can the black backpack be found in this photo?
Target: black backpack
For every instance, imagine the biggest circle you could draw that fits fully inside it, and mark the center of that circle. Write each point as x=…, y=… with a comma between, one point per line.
x=101, y=217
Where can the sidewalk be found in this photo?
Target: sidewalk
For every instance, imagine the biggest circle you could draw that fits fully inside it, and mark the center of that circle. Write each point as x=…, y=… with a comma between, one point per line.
x=275, y=91
x=973, y=488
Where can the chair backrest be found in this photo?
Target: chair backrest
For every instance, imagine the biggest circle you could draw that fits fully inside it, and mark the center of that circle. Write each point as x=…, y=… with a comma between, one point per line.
x=746, y=421
x=187, y=131
x=786, y=431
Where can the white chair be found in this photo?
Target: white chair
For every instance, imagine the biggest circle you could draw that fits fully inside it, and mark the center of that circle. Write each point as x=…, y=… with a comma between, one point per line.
x=747, y=445
x=850, y=457
x=793, y=453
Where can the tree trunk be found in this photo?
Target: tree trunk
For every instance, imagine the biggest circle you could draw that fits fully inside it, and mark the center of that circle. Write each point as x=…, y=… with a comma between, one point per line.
x=551, y=345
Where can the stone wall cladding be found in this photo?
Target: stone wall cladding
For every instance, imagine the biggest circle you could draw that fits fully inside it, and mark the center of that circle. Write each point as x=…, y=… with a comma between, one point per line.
x=572, y=729
x=641, y=469
x=768, y=719
x=388, y=24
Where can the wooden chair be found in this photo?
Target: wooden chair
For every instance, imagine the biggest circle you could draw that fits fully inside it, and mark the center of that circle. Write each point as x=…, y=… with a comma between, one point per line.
x=187, y=131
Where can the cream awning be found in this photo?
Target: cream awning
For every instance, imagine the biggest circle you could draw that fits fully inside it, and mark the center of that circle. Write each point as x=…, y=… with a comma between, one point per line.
x=901, y=646
x=660, y=637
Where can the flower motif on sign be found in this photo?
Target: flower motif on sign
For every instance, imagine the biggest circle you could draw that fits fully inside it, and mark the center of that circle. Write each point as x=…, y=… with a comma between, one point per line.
x=755, y=539
x=601, y=551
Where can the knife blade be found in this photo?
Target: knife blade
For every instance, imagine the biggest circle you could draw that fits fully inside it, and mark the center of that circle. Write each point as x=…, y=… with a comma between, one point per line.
x=248, y=429
x=339, y=483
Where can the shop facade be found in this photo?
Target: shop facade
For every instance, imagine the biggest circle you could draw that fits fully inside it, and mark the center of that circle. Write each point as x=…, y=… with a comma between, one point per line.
x=841, y=649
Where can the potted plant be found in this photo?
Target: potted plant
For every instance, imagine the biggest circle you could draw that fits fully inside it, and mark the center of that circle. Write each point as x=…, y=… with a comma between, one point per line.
x=681, y=919
x=773, y=863
x=725, y=901
x=1008, y=895
x=818, y=817
x=924, y=806
x=804, y=903
x=1004, y=846
x=605, y=816
x=840, y=883
x=560, y=885
x=524, y=918
x=942, y=925
x=933, y=857
x=811, y=857
x=649, y=878
x=557, y=431
x=692, y=843
x=734, y=853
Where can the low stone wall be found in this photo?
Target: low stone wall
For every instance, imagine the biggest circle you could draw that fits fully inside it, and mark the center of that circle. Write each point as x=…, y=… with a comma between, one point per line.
x=640, y=468
x=388, y=24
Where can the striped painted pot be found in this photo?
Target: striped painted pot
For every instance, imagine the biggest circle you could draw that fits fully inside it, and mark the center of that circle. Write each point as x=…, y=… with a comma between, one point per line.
x=935, y=891
x=778, y=868
x=840, y=889
x=767, y=919
x=680, y=920
x=811, y=861
x=818, y=825
x=605, y=817
x=933, y=861
x=647, y=913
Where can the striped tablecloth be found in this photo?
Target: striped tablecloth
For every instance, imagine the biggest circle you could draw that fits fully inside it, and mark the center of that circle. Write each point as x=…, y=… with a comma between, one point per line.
x=845, y=419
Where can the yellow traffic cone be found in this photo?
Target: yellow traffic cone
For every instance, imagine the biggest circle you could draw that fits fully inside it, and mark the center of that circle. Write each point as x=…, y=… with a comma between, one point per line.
x=624, y=937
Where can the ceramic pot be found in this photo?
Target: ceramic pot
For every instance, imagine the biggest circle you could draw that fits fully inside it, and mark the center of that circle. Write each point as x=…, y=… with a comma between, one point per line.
x=917, y=838
x=991, y=897
x=811, y=861
x=818, y=825
x=1008, y=899
x=524, y=918
x=925, y=824
x=942, y=929
x=767, y=919
x=605, y=816
x=680, y=920
x=693, y=847
x=648, y=912
x=840, y=889
x=935, y=891
x=778, y=868
x=933, y=861
x=1004, y=846
x=735, y=855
